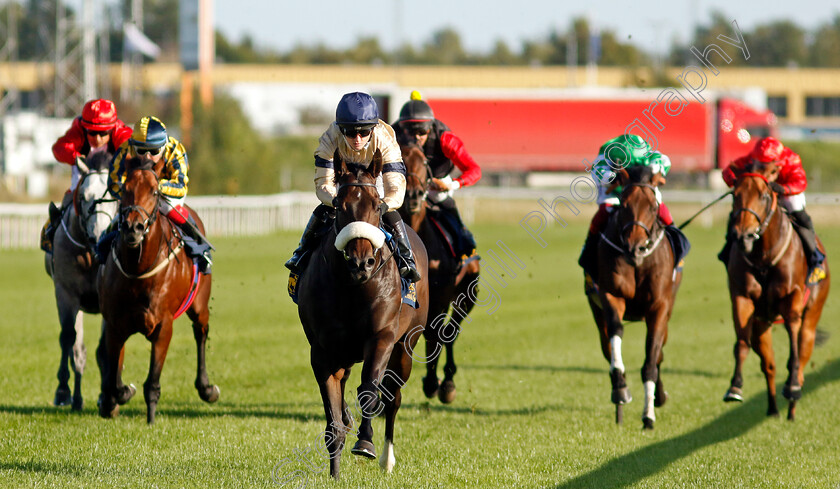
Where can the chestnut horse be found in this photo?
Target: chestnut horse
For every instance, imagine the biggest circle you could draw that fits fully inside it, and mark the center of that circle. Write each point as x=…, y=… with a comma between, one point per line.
x=767, y=272
x=144, y=284
x=73, y=267
x=350, y=306
x=447, y=284
x=636, y=281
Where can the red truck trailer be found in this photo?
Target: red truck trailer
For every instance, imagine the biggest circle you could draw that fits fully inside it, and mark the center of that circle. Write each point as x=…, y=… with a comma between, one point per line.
x=563, y=131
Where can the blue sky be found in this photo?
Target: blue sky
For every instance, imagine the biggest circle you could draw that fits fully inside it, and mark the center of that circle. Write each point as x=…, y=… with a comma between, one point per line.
x=652, y=25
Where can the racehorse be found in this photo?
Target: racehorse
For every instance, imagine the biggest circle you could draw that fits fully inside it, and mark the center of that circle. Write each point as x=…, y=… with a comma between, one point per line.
x=767, y=273
x=73, y=267
x=447, y=284
x=350, y=306
x=145, y=283
x=637, y=280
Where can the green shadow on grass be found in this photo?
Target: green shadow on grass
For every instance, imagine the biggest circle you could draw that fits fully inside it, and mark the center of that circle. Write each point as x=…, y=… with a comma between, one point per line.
x=631, y=468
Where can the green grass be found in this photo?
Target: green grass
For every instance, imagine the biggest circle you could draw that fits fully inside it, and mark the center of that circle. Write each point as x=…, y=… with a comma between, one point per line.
x=533, y=404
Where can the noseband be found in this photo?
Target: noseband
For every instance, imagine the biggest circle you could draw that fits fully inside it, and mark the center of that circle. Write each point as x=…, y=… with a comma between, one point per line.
x=338, y=230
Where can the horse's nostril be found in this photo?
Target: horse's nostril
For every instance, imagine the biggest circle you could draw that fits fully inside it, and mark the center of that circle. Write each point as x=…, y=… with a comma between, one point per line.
x=371, y=262
x=138, y=228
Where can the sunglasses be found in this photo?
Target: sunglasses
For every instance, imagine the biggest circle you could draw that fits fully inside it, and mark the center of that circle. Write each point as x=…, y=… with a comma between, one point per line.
x=420, y=130
x=352, y=133
x=148, y=151
x=99, y=133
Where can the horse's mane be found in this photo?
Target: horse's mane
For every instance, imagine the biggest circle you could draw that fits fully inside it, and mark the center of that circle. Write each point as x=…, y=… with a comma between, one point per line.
x=640, y=174
x=355, y=169
x=137, y=163
x=99, y=160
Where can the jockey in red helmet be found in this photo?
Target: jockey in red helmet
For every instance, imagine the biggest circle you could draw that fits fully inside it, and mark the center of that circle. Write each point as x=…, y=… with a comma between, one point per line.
x=97, y=129
x=357, y=133
x=790, y=185
x=444, y=153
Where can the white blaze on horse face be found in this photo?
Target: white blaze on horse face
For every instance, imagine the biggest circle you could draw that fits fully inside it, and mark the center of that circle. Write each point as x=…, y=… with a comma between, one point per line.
x=360, y=229
x=388, y=460
x=99, y=217
x=650, y=391
x=616, y=363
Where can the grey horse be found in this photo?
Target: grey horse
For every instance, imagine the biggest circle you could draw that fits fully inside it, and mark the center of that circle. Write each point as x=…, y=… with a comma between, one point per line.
x=74, y=268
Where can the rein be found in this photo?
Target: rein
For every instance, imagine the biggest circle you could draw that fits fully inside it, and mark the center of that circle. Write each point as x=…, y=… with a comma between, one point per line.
x=650, y=232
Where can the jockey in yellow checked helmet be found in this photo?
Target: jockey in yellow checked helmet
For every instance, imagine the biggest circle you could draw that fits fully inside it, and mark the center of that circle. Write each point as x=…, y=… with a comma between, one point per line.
x=150, y=141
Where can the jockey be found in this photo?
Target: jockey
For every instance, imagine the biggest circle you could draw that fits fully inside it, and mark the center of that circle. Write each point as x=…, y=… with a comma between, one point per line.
x=624, y=151
x=444, y=152
x=790, y=185
x=357, y=133
x=151, y=142
x=97, y=129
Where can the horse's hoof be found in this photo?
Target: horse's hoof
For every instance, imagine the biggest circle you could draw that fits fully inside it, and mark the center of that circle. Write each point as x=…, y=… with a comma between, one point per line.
x=792, y=393
x=126, y=393
x=446, y=393
x=660, y=398
x=647, y=423
x=215, y=392
x=78, y=404
x=430, y=386
x=63, y=397
x=107, y=410
x=621, y=396
x=364, y=448
x=733, y=395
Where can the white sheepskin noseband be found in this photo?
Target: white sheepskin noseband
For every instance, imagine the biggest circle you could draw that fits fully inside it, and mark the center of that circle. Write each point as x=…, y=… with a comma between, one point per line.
x=360, y=229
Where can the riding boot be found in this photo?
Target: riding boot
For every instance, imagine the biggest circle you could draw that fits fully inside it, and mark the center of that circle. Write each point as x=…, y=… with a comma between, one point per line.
x=320, y=216
x=408, y=268
x=805, y=228
x=589, y=254
x=51, y=226
x=200, y=248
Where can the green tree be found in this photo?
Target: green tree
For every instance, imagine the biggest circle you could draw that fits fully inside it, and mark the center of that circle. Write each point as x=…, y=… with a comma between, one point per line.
x=825, y=50
x=776, y=44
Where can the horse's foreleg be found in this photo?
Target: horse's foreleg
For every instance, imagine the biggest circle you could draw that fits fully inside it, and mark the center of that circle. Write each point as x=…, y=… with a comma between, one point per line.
x=109, y=355
x=399, y=369
x=742, y=312
x=613, y=313
x=68, y=317
x=160, y=339
x=762, y=344
x=329, y=384
x=447, y=392
x=657, y=327
x=434, y=346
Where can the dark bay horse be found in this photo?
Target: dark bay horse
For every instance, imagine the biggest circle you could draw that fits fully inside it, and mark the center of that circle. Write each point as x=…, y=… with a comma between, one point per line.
x=767, y=272
x=144, y=284
x=73, y=267
x=636, y=281
x=350, y=306
x=447, y=284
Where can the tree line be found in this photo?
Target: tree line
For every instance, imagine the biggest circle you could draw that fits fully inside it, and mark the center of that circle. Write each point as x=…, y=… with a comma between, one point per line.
x=777, y=43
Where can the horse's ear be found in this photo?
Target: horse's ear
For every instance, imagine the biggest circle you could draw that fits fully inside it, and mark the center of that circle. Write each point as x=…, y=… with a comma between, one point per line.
x=621, y=178
x=657, y=180
x=338, y=163
x=375, y=168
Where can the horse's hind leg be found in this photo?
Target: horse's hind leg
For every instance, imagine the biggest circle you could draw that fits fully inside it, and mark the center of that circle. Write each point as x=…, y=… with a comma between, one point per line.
x=329, y=383
x=461, y=307
x=200, y=321
x=431, y=383
x=160, y=339
x=78, y=361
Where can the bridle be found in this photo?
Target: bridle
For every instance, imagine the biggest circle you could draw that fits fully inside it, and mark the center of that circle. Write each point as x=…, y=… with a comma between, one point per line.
x=771, y=208
x=337, y=230
x=654, y=233
x=425, y=180
x=85, y=213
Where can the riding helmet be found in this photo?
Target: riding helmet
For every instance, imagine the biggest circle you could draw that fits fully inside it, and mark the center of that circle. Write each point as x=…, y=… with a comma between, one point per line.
x=357, y=110
x=99, y=115
x=768, y=149
x=416, y=110
x=149, y=133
